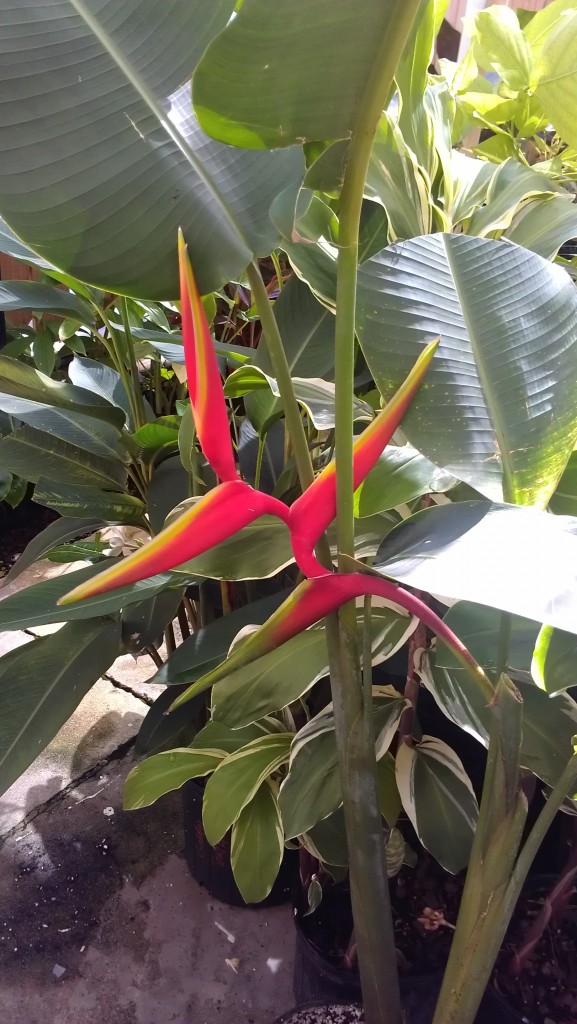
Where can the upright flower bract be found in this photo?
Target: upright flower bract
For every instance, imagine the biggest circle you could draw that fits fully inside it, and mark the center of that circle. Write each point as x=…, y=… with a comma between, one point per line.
x=234, y=504
x=204, y=384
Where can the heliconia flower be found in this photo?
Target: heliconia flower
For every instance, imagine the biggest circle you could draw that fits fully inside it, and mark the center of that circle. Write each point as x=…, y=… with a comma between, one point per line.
x=216, y=516
x=204, y=383
x=317, y=507
x=234, y=504
x=311, y=601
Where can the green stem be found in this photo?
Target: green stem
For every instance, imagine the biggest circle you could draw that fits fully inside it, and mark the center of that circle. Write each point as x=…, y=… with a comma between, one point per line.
x=504, y=643
x=259, y=456
x=369, y=884
x=136, y=388
x=281, y=370
x=115, y=350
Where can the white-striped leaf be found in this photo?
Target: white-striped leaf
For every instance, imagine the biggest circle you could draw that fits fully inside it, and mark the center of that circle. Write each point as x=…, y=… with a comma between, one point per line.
x=438, y=797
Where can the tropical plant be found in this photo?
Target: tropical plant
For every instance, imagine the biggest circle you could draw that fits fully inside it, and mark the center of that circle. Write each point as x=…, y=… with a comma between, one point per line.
x=505, y=368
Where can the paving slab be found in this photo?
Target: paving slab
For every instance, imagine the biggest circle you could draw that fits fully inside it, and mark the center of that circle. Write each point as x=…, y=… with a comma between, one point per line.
x=135, y=673
x=101, y=922
x=107, y=718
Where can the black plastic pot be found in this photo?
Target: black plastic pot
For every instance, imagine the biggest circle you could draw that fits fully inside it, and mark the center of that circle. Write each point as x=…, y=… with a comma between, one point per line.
x=319, y=981
x=210, y=865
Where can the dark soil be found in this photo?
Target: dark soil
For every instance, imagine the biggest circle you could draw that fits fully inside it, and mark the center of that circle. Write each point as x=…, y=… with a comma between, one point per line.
x=425, y=906
x=423, y=942
x=324, y=1015
x=18, y=526
x=546, y=990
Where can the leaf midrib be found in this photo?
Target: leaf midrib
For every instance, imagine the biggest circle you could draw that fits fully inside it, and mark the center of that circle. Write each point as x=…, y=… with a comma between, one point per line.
x=146, y=95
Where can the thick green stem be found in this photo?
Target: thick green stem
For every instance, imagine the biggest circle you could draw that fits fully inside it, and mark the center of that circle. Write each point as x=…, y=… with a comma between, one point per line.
x=369, y=884
x=504, y=643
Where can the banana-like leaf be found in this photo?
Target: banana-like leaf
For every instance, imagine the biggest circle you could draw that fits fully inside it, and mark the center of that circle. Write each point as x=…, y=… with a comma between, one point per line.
x=478, y=627
x=235, y=85
x=497, y=409
x=12, y=246
x=43, y=682
x=46, y=298
x=80, y=500
x=36, y=605
x=554, y=662
x=106, y=153
x=400, y=475
x=62, y=530
x=520, y=560
x=549, y=723
x=36, y=453
x=543, y=225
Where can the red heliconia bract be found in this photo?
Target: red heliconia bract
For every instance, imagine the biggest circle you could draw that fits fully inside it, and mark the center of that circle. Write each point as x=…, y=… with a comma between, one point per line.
x=234, y=504
x=315, y=598
x=204, y=382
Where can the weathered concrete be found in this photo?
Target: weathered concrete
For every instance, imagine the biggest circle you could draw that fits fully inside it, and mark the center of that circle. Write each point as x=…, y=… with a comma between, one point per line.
x=108, y=898
x=107, y=718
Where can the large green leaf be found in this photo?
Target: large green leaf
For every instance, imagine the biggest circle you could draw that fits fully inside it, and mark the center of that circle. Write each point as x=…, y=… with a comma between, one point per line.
x=101, y=380
x=24, y=391
x=57, y=533
x=479, y=627
x=235, y=87
x=543, y=225
x=134, y=165
x=83, y=500
x=497, y=407
x=236, y=780
x=564, y=500
x=5, y=483
x=271, y=683
x=400, y=475
x=549, y=723
x=143, y=623
x=36, y=605
x=438, y=797
x=520, y=560
x=43, y=682
x=36, y=453
x=554, y=666
x=12, y=246
x=257, y=845
x=164, y=772
x=46, y=298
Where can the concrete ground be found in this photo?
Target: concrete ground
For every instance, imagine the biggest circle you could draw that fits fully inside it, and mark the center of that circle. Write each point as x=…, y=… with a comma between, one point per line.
x=100, y=920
